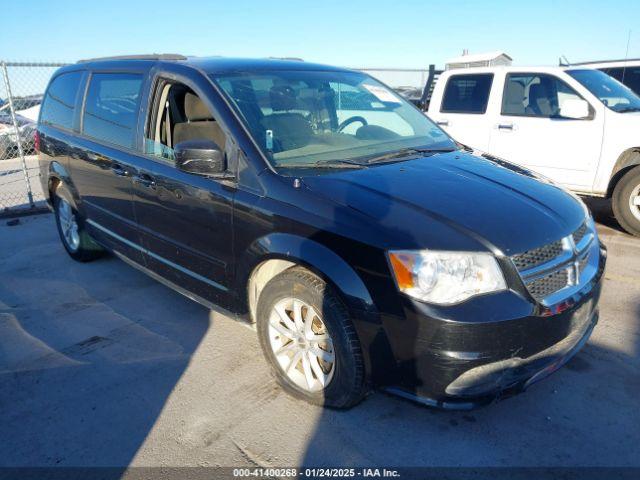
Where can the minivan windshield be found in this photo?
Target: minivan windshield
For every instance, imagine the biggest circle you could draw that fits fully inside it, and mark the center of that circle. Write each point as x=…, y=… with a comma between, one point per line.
x=609, y=91
x=328, y=118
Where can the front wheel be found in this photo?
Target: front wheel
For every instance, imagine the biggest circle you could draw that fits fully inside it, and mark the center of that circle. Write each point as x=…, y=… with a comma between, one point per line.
x=77, y=242
x=308, y=338
x=626, y=201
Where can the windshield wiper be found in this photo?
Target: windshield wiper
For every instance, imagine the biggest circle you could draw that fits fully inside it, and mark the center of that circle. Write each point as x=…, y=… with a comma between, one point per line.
x=629, y=109
x=326, y=164
x=397, y=155
x=406, y=152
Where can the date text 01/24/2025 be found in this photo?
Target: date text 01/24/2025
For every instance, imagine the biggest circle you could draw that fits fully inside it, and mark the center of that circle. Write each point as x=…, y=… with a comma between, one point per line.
x=316, y=472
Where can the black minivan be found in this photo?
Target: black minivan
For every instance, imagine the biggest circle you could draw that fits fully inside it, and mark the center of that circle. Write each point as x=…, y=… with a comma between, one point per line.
x=369, y=248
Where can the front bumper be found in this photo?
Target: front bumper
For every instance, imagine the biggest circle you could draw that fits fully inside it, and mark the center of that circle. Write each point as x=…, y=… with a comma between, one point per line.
x=504, y=344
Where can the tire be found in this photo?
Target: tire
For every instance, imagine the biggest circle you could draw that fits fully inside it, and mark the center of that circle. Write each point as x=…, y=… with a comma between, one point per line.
x=76, y=241
x=321, y=310
x=626, y=201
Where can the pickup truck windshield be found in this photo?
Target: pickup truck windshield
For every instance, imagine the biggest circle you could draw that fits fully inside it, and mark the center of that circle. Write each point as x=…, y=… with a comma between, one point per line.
x=327, y=118
x=609, y=91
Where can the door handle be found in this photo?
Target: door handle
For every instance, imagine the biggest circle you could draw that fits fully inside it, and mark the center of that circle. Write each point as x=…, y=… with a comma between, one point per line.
x=119, y=170
x=443, y=123
x=144, y=180
x=505, y=126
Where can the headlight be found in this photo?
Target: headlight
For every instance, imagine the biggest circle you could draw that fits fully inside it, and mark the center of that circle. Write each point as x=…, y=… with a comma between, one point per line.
x=445, y=277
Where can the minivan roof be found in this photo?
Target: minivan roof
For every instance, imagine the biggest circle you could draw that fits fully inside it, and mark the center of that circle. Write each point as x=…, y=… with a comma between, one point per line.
x=208, y=64
x=152, y=56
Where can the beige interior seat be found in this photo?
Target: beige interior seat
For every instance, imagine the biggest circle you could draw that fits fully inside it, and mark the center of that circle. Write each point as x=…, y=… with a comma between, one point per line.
x=200, y=124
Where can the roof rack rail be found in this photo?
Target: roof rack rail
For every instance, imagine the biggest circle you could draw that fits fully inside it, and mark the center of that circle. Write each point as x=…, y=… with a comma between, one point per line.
x=601, y=61
x=152, y=56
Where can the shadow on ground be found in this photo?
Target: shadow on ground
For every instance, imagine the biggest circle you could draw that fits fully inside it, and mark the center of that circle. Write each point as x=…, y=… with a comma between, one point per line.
x=99, y=342
x=602, y=212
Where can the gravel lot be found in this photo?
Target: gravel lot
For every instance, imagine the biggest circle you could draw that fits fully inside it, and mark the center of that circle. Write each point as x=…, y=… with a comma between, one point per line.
x=100, y=365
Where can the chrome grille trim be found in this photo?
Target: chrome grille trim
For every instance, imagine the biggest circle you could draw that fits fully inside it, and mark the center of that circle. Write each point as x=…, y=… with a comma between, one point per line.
x=558, y=275
x=579, y=234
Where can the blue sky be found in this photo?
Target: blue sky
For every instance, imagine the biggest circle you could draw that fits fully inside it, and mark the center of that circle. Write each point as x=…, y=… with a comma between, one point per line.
x=353, y=33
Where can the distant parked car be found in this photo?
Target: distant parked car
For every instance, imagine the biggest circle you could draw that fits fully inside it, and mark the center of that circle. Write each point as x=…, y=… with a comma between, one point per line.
x=412, y=94
x=28, y=101
x=27, y=109
x=9, y=137
x=626, y=72
x=31, y=113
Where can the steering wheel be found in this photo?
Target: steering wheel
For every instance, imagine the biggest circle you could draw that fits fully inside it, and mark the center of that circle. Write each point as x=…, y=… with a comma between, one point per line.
x=350, y=120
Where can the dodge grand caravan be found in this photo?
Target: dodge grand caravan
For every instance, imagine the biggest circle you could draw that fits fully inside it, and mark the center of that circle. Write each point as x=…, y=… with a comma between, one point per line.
x=368, y=247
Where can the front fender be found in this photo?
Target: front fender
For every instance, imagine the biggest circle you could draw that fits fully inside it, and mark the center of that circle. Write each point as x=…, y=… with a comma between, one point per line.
x=320, y=259
x=627, y=159
x=377, y=353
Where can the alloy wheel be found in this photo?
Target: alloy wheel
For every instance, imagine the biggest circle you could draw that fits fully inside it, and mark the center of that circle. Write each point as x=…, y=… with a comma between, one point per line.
x=634, y=202
x=68, y=225
x=301, y=344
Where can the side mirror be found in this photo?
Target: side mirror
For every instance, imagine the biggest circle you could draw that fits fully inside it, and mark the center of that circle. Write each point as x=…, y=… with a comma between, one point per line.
x=200, y=157
x=574, y=108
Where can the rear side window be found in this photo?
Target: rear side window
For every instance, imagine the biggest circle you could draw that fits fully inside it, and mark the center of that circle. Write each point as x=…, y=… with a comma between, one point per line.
x=111, y=107
x=467, y=93
x=58, y=107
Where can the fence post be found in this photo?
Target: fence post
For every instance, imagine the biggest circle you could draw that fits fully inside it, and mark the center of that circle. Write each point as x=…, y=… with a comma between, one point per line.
x=5, y=74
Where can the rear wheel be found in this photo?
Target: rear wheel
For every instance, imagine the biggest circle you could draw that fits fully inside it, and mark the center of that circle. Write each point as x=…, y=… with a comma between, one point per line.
x=77, y=242
x=308, y=338
x=626, y=201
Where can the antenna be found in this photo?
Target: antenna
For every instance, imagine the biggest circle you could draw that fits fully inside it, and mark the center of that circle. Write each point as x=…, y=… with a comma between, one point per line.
x=626, y=56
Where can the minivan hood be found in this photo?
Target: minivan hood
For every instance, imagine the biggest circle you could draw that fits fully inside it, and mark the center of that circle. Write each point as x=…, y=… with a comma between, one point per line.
x=498, y=203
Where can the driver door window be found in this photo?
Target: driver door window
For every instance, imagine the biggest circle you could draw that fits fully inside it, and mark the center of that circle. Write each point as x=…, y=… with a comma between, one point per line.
x=180, y=116
x=530, y=131
x=535, y=95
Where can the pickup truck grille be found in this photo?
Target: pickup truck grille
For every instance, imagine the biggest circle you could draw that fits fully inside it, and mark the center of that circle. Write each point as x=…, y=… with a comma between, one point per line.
x=556, y=266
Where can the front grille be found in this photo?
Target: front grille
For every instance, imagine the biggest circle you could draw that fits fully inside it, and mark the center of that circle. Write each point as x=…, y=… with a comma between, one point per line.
x=579, y=234
x=558, y=260
x=545, y=286
x=537, y=256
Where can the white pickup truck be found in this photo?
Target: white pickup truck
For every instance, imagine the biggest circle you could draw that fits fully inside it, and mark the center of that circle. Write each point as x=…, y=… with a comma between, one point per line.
x=577, y=126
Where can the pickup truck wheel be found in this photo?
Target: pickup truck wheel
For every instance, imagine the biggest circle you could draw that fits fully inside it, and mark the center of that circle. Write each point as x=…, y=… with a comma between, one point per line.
x=626, y=201
x=308, y=338
x=77, y=242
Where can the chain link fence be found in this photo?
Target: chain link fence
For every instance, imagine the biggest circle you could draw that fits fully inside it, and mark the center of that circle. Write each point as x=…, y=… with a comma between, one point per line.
x=22, y=86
